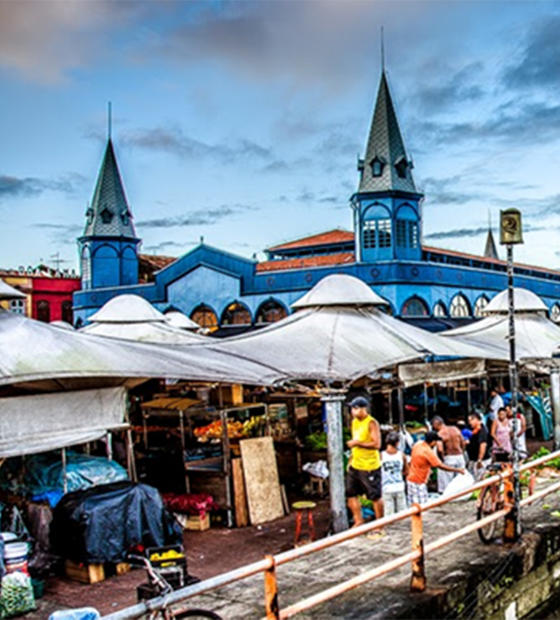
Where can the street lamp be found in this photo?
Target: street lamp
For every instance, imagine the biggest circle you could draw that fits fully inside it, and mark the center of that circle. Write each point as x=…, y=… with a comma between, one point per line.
x=510, y=235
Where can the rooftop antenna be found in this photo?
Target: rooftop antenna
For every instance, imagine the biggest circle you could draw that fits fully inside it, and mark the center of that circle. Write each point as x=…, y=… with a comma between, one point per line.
x=382, y=50
x=109, y=119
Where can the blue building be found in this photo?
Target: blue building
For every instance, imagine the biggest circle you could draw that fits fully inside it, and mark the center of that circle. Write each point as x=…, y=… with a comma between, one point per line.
x=431, y=286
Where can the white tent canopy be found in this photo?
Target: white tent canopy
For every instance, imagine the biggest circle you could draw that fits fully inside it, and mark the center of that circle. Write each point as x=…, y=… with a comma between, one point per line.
x=341, y=335
x=180, y=320
x=536, y=336
x=130, y=317
x=9, y=292
x=33, y=424
x=51, y=358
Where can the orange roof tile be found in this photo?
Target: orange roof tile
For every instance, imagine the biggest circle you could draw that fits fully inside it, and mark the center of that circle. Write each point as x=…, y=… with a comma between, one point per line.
x=156, y=262
x=307, y=262
x=326, y=238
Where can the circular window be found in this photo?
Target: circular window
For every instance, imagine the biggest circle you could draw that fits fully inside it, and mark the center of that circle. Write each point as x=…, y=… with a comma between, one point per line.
x=415, y=271
x=375, y=272
x=270, y=281
x=308, y=277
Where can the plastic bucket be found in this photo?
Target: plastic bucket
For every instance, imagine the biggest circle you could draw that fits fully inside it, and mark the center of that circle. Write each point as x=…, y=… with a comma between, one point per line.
x=15, y=557
x=8, y=537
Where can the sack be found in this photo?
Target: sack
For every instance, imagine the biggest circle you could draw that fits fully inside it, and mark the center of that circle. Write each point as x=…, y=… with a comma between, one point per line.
x=17, y=595
x=406, y=440
x=460, y=482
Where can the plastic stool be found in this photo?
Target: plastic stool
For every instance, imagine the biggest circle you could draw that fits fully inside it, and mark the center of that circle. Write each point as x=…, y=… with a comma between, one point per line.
x=300, y=508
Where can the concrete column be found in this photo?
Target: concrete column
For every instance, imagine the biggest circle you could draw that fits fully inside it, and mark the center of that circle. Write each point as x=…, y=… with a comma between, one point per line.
x=555, y=398
x=333, y=405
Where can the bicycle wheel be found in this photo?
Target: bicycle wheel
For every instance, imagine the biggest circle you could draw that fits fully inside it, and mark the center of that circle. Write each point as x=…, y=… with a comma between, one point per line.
x=489, y=503
x=193, y=614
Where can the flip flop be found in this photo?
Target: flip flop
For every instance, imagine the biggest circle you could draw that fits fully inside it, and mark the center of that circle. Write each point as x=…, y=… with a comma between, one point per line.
x=376, y=535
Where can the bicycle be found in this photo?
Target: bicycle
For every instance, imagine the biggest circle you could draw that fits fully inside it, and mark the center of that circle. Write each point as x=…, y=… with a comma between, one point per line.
x=491, y=500
x=162, y=587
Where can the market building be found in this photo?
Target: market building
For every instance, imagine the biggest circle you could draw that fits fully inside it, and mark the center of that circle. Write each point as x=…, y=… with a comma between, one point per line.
x=48, y=292
x=431, y=286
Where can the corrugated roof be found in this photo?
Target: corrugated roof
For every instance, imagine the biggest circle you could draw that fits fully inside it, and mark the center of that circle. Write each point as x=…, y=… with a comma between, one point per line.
x=307, y=262
x=327, y=238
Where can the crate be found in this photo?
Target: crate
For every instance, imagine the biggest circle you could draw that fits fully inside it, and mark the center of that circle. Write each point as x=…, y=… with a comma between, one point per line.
x=84, y=573
x=193, y=522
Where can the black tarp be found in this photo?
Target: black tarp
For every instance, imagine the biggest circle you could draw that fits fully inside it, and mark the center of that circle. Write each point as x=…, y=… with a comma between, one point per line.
x=103, y=523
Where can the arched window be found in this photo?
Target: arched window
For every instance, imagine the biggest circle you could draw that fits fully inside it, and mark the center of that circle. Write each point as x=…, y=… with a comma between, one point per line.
x=66, y=311
x=205, y=317
x=479, y=305
x=236, y=314
x=270, y=312
x=440, y=310
x=17, y=306
x=415, y=306
x=555, y=313
x=86, y=267
x=406, y=232
x=376, y=228
x=43, y=311
x=459, y=307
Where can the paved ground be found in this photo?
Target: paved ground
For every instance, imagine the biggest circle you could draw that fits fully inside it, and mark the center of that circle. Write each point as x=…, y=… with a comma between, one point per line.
x=218, y=550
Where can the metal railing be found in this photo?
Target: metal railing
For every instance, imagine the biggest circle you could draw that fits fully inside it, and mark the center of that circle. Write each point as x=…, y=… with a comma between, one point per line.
x=416, y=556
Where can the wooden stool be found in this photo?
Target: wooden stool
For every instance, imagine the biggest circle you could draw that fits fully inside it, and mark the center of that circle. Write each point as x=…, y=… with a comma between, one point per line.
x=300, y=507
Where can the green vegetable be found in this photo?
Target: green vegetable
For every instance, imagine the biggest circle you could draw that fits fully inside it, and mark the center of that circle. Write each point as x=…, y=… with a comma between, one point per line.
x=17, y=595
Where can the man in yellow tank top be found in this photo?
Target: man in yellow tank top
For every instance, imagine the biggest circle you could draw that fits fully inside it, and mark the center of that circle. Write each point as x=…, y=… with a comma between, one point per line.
x=364, y=467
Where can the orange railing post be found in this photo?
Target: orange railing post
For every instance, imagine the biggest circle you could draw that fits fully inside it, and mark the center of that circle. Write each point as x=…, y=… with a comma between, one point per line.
x=510, y=525
x=418, y=580
x=271, y=590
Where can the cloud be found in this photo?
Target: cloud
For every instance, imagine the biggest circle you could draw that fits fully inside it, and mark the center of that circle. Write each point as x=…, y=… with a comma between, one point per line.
x=15, y=187
x=165, y=246
x=462, y=233
x=44, y=39
x=537, y=64
x=175, y=142
x=200, y=217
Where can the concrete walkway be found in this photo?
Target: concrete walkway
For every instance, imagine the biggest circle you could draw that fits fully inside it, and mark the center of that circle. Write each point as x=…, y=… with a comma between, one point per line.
x=388, y=596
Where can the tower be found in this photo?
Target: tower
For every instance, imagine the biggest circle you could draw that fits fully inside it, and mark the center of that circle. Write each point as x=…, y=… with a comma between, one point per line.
x=109, y=246
x=387, y=206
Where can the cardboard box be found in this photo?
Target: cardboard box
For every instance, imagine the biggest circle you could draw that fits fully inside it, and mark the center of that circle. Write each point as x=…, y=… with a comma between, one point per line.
x=192, y=522
x=84, y=573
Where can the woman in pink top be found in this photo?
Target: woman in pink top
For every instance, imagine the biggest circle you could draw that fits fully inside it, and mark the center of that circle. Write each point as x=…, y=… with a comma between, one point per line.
x=501, y=434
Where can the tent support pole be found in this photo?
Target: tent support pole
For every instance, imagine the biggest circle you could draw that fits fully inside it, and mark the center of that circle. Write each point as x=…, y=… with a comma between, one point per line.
x=64, y=472
x=469, y=397
x=333, y=404
x=400, y=401
x=109, y=446
x=426, y=413
x=555, y=397
x=130, y=457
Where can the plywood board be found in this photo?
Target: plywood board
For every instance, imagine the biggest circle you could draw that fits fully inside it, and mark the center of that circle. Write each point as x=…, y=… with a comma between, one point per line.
x=261, y=480
x=239, y=495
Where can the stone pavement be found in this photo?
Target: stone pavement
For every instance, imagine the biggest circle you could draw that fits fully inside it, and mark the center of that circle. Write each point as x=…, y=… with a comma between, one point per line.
x=389, y=596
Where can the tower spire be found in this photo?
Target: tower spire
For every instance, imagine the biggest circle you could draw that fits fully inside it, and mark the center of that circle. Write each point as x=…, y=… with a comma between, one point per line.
x=109, y=120
x=382, y=50
x=490, y=249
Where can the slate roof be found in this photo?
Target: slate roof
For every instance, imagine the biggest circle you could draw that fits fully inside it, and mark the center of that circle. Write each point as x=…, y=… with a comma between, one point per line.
x=386, y=144
x=326, y=238
x=109, y=214
x=490, y=250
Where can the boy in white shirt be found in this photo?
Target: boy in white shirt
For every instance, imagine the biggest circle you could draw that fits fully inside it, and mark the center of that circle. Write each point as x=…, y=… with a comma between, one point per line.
x=394, y=468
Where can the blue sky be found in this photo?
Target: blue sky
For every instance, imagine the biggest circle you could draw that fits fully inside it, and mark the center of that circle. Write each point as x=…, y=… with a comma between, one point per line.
x=241, y=122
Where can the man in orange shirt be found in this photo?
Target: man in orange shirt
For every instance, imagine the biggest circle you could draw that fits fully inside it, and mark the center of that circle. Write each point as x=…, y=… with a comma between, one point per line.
x=422, y=459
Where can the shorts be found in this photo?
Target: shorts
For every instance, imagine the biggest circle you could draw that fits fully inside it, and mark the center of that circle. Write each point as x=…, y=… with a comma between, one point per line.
x=361, y=482
x=417, y=493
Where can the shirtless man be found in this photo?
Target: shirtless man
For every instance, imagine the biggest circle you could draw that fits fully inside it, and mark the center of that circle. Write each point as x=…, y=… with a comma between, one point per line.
x=451, y=449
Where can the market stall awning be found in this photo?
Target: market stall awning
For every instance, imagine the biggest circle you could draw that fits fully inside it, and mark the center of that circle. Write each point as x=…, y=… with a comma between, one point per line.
x=35, y=355
x=33, y=424
x=341, y=334
x=9, y=292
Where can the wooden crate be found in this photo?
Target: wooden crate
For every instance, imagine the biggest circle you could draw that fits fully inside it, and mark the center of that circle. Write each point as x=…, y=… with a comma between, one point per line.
x=84, y=573
x=192, y=522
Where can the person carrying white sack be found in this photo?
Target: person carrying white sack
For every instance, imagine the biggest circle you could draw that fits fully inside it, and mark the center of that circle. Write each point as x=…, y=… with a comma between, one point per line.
x=451, y=450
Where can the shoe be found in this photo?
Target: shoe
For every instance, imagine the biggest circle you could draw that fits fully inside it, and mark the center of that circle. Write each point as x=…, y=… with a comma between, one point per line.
x=376, y=535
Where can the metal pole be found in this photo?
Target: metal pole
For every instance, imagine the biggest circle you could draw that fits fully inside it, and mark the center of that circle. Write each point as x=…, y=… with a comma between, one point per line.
x=333, y=406
x=555, y=397
x=515, y=515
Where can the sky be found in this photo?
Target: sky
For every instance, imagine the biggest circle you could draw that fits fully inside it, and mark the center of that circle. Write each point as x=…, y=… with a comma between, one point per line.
x=241, y=122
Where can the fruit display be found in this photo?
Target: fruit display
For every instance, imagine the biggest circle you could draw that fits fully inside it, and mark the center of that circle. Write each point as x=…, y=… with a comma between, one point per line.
x=235, y=430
